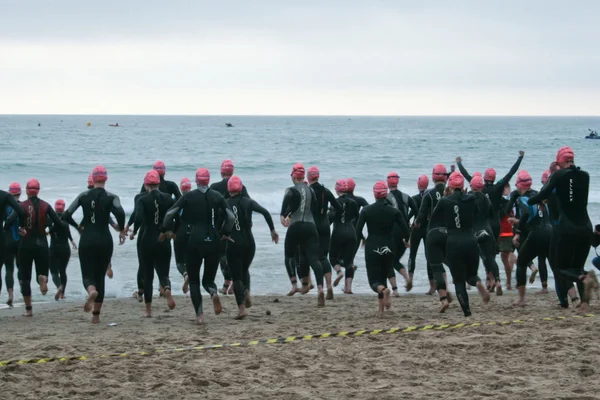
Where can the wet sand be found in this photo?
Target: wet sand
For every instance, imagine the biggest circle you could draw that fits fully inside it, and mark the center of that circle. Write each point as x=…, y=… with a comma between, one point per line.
x=555, y=359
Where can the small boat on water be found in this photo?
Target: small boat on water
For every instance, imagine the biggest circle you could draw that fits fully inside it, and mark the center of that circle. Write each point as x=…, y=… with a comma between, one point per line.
x=229, y=125
x=592, y=135
x=114, y=125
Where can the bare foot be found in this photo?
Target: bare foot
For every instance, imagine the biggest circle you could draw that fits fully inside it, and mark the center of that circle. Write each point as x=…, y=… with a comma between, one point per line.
x=519, y=303
x=395, y=293
x=508, y=287
x=170, y=300
x=408, y=285
x=87, y=307
x=444, y=306
x=293, y=291
x=230, y=291
x=200, y=319
x=161, y=292
x=321, y=300
x=584, y=309
x=543, y=291
x=10, y=302
x=28, y=313
x=148, y=314
x=533, y=274
x=386, y=298
x=499, y=289
x=223, y=290
x=186, y=285
x=241, y=315
x=576, y=303
x=430, y=291
x=43, y=282
x=217, y=304
x=96, y=318
x=338, y=278
x=485, y=297
x=247, y=301
x=329, y=294
x=311, y=287
x=58, y=294
x=305, y=289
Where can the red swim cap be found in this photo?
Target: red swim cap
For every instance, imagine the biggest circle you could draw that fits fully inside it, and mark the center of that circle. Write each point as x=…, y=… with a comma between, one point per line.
x=298, y=171
x=439, y=173
x=489, y=175
x=380, y=190
x=33, y=187
x=227, y=167
x=159, y=167
x=152, y=177
x=99, y=174
x=456, y=180
x=202, y=176
x=392, y=180
x=186, y=185
x=59, y=206
x=477, y=174
x=524, y=180
x=565, y=154
x=545, y=177
x=341, y=186
x=422, y=182
x=14, y=188
x=477, y=183
x=313, y=173
x=234, y=184
x=351, y=185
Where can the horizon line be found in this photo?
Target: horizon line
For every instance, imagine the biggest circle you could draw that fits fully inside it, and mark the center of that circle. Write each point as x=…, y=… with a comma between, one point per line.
x=313, y=115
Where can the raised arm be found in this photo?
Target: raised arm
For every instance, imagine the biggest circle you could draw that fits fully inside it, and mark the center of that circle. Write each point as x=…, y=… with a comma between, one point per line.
x=463, y=170
x=512, y=171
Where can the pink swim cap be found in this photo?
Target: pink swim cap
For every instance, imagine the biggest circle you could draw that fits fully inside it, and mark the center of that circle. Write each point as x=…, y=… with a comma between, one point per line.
x=392, y=180
x=489, y=175
x=14, y=188
x=565, y=154
x=477, y=174
x=380, y=190
x=313, y=173
x=422, y=182
x=186, y=185
x=202, y=176
x=59, y=206
x=298, y=171
x=33, y=187
x=99, y=174
x=159, y=167
x=152, y=177
x=234, y=184
x=351, y=185
x=545, y=177
x=477, y=183
x=227, y=167
x=90, y=180
x=341, y=186
x=456, y=180
x=524, y=180
x=439, y=173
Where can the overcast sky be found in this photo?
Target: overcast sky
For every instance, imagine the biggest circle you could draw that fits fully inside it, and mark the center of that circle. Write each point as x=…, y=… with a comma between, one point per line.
x=367, y=57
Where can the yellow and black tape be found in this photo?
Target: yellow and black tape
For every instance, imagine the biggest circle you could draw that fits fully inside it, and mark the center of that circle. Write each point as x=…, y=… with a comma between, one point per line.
x=290, y=339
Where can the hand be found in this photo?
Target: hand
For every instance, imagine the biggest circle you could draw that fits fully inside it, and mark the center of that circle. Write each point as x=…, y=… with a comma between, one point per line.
x=116, y=228
x=126, y=228
x=284, y=221
x=452, y=168
x=225, y=237
x=521, y=153
x=274, y=236
x=79, y=228
x=458, y=159
x=122, y=237
x=516, y=240
x=406, y=243
x=74, y=245
x=512, y=221
x=165, y=235
x=132, y=235
x=22, y=231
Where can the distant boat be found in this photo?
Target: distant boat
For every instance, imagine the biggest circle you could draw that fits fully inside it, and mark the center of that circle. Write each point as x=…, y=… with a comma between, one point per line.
x=229, y=125
x=592, y=135
x=39, y=124
x=115, y=125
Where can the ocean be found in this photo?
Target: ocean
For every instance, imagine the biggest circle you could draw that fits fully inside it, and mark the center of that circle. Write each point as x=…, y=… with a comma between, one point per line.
x=63, y=150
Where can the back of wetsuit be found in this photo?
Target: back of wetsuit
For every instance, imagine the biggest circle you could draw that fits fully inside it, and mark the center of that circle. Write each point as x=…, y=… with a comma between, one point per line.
x=428, y=204
x=36, y=220
x=305, y=199
x=532, y=217
x=241, y=208
x=380, y=219
x=345, y=220
x=459, y=212
x=152, y=209
x=323, y=197
x=97, y=205
x=485, y=213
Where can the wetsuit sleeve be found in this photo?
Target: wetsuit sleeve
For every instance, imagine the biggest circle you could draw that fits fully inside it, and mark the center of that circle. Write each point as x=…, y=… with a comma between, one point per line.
x=360, y=224
x=332, y=200
x=286, y=207
x=174, y=210
x=72, y=208
x=118, y=212
x=545, y=191
x=131, y=218
x=523, y=215
x=227, y=226
x=174, y=190
x=464, y=172
x=139, y=216
x=511, y=202
x=69, y=236
x=510, y=174
x=414, y=209
x=55, y=218
x=72, y=222
x=265, y=213
x=422, y=214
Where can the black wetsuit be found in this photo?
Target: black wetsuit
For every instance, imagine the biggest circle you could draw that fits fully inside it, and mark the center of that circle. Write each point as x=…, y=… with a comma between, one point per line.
x=488, y=246
x=416, y=236
x=572, y=235
x=324, y=198
x=240, y=252
x=168, y=187
x=343, y=238
x=9, y=245
x=150, y=213
x=458, y=212
x=131, y=222
x=361, y=203
x=60, y=250
x=201, y=208
x=406, y=205
x=96, y=243
x=436, y=234
x=381, y=219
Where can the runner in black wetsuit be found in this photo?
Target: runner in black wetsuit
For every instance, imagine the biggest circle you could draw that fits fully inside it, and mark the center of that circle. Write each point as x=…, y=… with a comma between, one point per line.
x=199, y=209
x=573, y=234
x=112, y=223
x=418, y=234
x=534, y=232
x=95, y=244
x=227, y=169
x=360, y=202
x=11, y=244
x=138, y=294
x=343, y=238
x=60, y=251
x=150, y=212
x=34, y=245
x=240, y=251
x=324, y=198
x=406, y=205
x=182, y=235
x=458, y=212
x=165, y=186
x=381, y=219
x=302, y=232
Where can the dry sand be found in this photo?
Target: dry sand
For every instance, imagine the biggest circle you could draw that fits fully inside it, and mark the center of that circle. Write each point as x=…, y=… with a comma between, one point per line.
x=537, y=359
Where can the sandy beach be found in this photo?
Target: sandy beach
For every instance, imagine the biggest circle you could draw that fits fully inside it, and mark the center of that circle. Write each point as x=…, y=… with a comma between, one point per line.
x=536, y=358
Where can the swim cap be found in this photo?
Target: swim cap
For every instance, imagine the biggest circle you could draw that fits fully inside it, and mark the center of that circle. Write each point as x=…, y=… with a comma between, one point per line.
x=186, y=185
x=351, y=185
x=313, y=173
x=456, y=180
x=565, y=154
x=234, y=184
x=380, y=190
x=392, y=180
x=99, y=174
x=477, y=183
x=59, y=206
x=490, y=175
x=152, y=177
x=159, y=167
x=298, y=171
x=227, y=167
x=524, y=180
x=33, y=187
x=477, y=174
x=341, y=186
x=202, y=176
x=14, y=188
x=439, y=173
x=422, y=182
x=545, y=177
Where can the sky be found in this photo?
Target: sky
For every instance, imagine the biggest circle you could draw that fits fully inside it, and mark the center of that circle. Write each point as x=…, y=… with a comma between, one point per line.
x=370, y=57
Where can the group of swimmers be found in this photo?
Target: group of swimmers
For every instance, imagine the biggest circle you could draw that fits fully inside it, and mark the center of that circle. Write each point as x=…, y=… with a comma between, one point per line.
x=212, y=225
